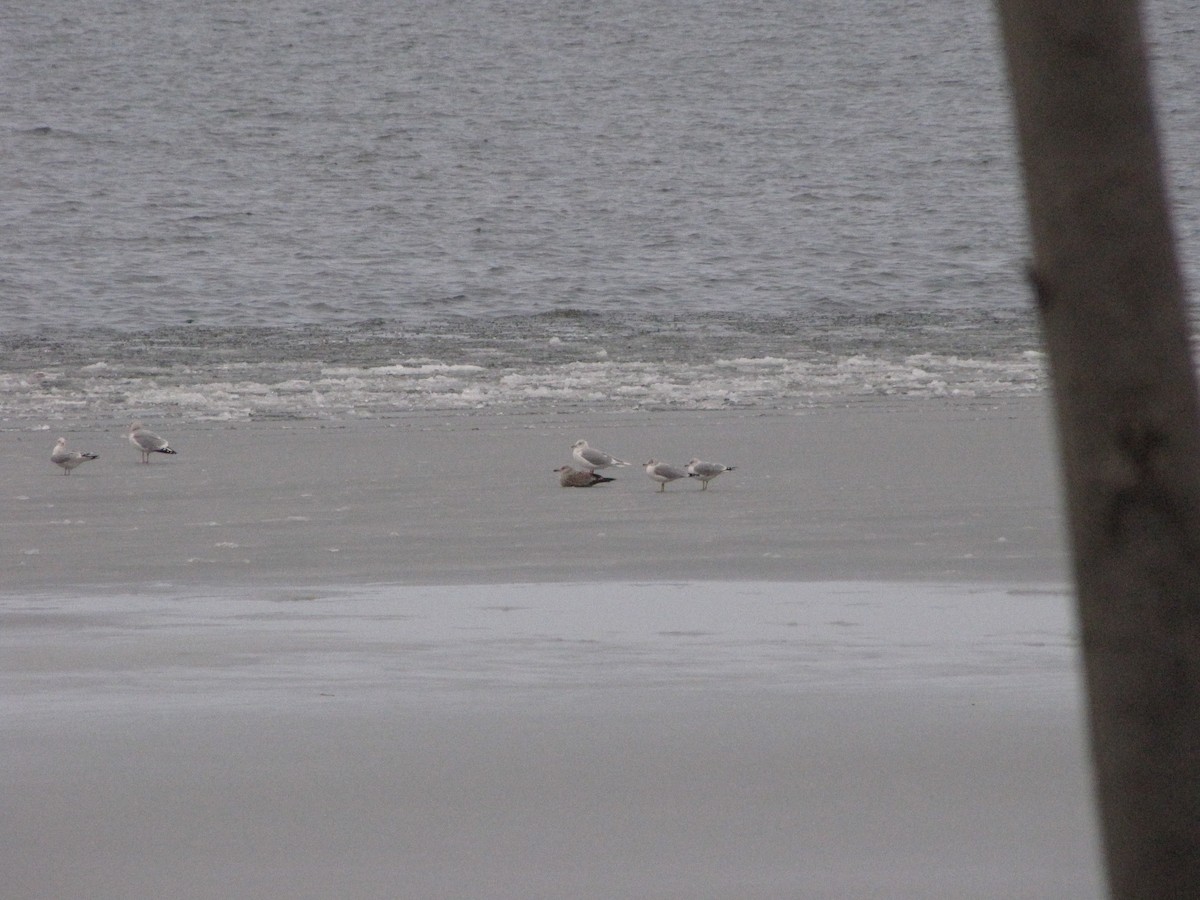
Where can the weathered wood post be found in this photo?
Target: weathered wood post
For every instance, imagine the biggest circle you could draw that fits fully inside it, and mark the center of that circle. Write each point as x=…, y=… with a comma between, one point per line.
x=1111, y=301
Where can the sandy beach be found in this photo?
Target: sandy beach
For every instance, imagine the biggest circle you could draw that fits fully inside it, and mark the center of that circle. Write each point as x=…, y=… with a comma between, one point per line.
x=395, y=659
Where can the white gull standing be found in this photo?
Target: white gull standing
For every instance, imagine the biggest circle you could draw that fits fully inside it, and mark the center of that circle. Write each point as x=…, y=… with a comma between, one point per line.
x=663, y=473
x=706, y=471
x=592, y=458
x=147, y=442
x=69, y=459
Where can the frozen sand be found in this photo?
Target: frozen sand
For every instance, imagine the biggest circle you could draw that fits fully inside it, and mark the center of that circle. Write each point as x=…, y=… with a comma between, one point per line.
x=224, y=678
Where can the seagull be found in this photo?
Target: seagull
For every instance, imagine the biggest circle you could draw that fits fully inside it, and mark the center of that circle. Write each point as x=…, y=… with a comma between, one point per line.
x=569, y=477
x=593, y=459
x=664, y=472
x=68, y=459
x=147, y=442
x=706, y=471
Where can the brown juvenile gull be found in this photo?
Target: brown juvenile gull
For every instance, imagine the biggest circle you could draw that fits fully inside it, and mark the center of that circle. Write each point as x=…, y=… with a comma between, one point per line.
x=69, y=459
x=664, y=472
x=569, y=477
x=147, y=442
x=706, y=471
x=592, y=458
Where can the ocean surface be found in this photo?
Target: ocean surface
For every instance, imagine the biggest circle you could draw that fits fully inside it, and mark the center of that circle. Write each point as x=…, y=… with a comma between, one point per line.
x=229, y=211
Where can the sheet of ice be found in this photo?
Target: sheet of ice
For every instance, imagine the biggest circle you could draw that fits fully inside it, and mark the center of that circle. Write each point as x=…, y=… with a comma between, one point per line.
x=416, y=644
x=593, y=741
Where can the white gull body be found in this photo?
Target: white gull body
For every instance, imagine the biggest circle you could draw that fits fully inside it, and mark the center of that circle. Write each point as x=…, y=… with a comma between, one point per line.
x=664, y=473
x=593, y=458
x=69, y=459
x=706, y=471
x=147, y=442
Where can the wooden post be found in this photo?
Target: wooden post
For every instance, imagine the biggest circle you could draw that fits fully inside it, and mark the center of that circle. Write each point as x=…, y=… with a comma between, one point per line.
x=1111, y=301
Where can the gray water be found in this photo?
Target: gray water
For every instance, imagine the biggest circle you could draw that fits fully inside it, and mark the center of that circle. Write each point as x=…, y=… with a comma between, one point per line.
x=225, y=210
